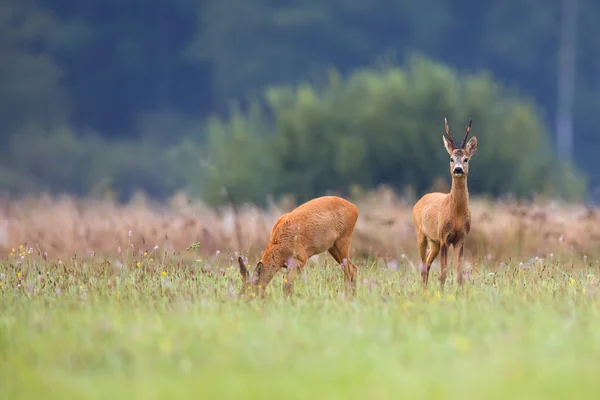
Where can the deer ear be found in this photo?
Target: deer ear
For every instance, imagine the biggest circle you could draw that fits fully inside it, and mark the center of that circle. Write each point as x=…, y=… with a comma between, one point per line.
x=448, y=145
x=243, y=270
x=471, y=146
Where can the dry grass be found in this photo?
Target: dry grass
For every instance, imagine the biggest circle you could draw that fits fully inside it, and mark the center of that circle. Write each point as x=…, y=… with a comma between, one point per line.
x=65, y=226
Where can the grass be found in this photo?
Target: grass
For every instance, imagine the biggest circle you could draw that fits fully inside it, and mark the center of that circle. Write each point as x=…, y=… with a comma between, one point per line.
x=97, y=329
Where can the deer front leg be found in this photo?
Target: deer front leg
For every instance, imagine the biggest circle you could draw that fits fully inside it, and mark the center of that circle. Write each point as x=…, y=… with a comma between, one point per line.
x=443, y=264
x=458, y=261
x=288, y=282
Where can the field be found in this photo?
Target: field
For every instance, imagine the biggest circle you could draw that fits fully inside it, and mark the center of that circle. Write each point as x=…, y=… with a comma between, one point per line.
x=90, y=311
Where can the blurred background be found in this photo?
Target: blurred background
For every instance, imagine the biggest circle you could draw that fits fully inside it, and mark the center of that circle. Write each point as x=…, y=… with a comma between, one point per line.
x=236, y=100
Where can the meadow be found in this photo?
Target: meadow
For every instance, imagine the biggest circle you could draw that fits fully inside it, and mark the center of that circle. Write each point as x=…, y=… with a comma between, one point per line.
x=101, y=300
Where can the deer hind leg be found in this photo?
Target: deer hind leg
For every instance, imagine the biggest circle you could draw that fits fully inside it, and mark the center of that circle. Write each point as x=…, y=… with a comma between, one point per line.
x=434, y=249
x=443, y=265
x=340, y=251
x=422, y=245
x=292, y=273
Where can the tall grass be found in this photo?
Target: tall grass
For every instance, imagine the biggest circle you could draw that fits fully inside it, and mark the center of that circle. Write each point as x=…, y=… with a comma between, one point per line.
x=63, y=227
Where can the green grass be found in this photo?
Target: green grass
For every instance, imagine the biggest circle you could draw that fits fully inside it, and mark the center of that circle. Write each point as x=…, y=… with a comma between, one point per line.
x=87, y=329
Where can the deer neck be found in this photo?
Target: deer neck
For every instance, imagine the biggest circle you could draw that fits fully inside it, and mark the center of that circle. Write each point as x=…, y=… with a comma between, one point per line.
x=459, y=195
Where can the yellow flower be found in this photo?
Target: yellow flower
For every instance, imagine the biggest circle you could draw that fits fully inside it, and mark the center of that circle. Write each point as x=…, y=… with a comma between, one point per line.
x=12, y=250
x=462, y=344
x=438, y=294
x=285, y=280
x=20, y=246
x=166, y=346
x=152, y=259
x=138, y=264
x=145, y=253
x=18, y=274
x=80, y=287
x=253, y=294
x=164, y=273
x=451, y=297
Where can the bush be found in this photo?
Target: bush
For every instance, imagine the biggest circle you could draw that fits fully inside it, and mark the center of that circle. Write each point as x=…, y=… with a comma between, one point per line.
x=384, y=126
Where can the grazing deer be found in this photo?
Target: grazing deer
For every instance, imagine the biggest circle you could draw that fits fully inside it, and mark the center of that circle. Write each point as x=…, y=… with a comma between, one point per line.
x=324, y=223
x=444, y=219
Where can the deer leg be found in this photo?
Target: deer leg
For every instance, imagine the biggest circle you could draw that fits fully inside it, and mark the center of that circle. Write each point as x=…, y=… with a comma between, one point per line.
x=340, y=251
x=443, y=264
x=458, y=261
x=292, y=273
x=422, y=245
x=434, y=249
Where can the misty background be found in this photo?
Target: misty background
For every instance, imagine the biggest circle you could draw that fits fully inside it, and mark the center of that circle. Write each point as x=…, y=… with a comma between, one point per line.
x=236, y=100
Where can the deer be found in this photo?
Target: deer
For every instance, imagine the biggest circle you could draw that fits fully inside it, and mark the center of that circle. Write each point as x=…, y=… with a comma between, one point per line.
x=322, y=224
x=442, y=220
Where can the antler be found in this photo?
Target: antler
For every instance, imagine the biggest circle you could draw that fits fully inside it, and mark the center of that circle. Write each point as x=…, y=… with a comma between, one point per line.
x=462, y=146
x=448, y=133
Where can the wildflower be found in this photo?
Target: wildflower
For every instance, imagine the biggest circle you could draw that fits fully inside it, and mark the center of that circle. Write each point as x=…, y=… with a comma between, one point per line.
x=145, y=253
x=156, y=247
x=462, y=344
x=80, y=287
x=164, y=273
x=284, y=280
x=218, y=252
x=18, y=274
x=20, y=247
x=166, y=346
x=129, y=233
x=152, y=259
x=2, y=276
x=119, y=249
x=12, y=250
x=138, y=264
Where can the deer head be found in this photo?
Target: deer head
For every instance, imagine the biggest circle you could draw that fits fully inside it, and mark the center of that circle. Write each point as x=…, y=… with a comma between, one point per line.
x=251, y=282
x=459, y=156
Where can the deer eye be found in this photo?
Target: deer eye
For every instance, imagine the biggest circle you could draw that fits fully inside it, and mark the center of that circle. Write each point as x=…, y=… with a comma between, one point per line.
x=466, y=160
x=451, y=159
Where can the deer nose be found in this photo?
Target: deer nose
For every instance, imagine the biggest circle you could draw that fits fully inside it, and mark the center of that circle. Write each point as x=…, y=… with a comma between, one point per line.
x=458, y=171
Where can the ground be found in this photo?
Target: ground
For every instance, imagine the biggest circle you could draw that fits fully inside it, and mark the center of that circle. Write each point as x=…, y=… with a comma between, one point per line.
x=148, y=329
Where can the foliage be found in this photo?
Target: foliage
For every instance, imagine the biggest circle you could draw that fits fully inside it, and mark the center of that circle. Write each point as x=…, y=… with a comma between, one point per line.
x=133, y=81
x=379, y=127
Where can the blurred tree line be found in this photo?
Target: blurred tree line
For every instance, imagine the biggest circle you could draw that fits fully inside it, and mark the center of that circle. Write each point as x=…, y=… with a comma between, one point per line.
x=237, y=100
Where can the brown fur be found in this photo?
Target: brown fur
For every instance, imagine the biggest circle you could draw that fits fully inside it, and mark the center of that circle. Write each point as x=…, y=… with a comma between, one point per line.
x=322, y=224
x=444, y=219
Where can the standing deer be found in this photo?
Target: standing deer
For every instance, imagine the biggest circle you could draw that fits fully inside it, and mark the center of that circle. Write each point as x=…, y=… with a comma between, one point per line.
x=324, y=223
x=444, y=219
